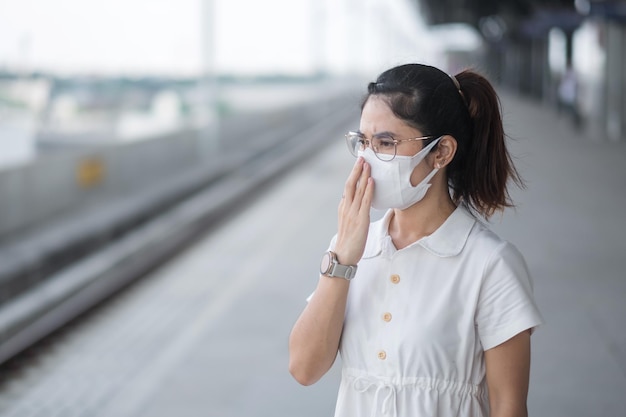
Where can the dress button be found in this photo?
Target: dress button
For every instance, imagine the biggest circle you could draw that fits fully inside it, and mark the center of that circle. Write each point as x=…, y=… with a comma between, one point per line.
x=382, y=355
x=387, y=317
x=395, y=278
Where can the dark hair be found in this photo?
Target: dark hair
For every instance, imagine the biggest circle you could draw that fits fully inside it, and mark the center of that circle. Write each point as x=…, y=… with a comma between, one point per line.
x=430, y=100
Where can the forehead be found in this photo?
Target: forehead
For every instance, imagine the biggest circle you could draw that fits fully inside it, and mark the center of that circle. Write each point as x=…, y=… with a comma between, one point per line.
x=377, y=117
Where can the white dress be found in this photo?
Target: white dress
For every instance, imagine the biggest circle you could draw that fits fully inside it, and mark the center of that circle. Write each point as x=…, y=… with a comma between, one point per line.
x=418, y=320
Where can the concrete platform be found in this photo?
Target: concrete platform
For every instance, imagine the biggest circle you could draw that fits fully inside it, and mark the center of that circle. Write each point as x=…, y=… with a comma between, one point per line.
x=206, y=335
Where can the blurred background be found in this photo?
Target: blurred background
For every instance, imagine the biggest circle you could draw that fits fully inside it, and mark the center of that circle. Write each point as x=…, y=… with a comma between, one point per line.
x=160, y=160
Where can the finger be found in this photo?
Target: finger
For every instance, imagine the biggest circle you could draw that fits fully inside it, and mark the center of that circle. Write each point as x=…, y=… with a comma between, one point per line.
x=368, y=195
x=362, y=183
x=342, y=201
x=351, y=182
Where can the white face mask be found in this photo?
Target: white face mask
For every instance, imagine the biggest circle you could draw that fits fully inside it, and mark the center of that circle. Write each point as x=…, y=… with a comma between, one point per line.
x=392, y=179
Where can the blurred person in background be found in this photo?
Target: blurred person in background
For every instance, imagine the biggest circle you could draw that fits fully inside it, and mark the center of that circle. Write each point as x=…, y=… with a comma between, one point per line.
x=568, y=95
x=431, y=311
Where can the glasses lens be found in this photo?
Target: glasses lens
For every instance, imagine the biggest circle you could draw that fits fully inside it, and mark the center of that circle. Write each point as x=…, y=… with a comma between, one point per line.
x=354, y=142
x=384, y=148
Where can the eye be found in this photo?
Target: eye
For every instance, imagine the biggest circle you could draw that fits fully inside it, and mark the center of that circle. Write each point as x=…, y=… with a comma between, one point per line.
x=385, y=143
x=359, y=141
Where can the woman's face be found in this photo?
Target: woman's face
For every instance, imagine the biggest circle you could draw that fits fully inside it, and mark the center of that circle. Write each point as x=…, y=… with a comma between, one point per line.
x=377, y=118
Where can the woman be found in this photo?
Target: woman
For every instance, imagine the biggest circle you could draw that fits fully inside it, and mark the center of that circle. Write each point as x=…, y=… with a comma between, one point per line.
x=431, y=311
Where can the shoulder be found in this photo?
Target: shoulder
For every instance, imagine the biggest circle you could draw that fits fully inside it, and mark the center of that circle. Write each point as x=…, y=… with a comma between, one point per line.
x=484, y=240
x=484, y=244
x=504, y=266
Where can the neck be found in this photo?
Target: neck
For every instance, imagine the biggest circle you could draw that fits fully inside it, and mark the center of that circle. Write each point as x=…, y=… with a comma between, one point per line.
x=421, y=219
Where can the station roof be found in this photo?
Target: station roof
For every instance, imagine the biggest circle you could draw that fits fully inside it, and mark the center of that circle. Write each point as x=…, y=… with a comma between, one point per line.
x=520, y=18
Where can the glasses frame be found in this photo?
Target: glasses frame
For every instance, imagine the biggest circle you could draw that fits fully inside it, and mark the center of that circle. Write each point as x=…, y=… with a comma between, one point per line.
x=369, y=144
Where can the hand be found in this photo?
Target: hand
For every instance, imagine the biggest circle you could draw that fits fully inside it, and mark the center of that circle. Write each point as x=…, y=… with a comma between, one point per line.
x=354, y=214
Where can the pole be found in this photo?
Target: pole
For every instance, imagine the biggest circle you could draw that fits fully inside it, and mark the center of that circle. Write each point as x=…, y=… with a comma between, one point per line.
x=208, y=132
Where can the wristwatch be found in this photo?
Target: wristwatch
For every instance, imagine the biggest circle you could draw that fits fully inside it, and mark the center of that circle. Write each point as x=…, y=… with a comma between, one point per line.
x=330, y=267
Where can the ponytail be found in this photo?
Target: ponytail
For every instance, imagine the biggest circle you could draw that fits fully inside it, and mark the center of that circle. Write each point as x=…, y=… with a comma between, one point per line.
x=488, y=166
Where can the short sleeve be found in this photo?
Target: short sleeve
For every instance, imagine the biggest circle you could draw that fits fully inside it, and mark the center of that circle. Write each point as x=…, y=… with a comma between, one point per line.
x=333, y=243
x=506, y=305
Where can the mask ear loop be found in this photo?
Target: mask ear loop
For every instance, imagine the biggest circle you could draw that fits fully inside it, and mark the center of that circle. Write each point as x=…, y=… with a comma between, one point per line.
x=426, y=181
x=428, y=147
x=432, y=173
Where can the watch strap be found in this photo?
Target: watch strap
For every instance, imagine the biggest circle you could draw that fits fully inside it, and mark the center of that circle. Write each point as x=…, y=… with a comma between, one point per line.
x=343, y=271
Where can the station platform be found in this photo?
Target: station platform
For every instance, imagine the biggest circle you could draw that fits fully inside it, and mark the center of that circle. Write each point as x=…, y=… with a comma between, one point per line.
x=206, y=334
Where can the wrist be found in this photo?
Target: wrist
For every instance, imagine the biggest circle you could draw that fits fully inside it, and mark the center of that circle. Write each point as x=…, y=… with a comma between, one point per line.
x=332, y=267
x=345, y=257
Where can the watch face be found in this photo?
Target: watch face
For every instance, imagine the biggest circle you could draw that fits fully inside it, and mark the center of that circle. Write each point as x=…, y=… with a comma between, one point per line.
x=326, y=263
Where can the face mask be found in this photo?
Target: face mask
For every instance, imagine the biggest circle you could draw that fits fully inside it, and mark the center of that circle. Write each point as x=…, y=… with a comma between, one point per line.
x=392, y=179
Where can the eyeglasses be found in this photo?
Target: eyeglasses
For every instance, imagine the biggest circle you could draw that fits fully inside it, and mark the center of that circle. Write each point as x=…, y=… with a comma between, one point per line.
x=384, y=146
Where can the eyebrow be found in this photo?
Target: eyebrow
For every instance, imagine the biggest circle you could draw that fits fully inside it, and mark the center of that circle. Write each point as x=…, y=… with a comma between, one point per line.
x=380, y=134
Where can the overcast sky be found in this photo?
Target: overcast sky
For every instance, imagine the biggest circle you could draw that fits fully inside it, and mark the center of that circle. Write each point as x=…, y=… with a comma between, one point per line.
x=165, y=36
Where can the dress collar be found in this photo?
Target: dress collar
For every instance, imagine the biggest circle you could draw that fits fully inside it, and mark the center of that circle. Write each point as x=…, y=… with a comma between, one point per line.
x=448, y=240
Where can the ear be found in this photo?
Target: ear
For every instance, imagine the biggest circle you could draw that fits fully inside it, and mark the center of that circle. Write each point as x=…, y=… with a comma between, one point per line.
x=444, y=151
